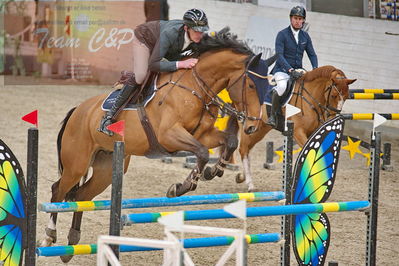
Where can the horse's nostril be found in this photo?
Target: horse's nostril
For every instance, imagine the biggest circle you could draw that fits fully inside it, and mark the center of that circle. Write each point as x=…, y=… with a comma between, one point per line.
x=250, y=130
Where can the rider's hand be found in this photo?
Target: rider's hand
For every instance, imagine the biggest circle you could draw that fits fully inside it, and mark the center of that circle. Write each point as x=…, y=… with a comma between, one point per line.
x=188, y=63
x=296, y=74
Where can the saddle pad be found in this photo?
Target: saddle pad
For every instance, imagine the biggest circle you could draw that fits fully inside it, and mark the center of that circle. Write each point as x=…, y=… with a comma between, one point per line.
x=286, y=97
x=109, y=101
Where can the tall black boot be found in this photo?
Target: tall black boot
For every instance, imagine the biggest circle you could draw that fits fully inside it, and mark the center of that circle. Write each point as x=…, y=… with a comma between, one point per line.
x=126, y=91
x=272, y=121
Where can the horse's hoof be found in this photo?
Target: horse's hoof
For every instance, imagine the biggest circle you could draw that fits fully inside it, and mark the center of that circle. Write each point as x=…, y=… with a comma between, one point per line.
x=219, y=173
x=253, y=189
x=240, y=178
x=172, y=191
x=66, y=258
x=73, y=236
x=47, y=242
x=175, y=190
x=207, y=175
x=50, y=238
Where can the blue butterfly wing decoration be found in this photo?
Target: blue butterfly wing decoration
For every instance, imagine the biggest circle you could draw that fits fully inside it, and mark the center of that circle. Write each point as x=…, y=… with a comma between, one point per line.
x=13, y=219
x=314, y=176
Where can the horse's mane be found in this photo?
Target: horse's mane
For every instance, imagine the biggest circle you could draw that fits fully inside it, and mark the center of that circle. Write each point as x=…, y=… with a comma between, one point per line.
x=221, y=40
x=321, y=72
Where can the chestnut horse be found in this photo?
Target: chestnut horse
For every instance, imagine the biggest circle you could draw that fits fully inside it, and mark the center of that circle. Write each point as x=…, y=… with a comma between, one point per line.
x=320, y=94
x=182, y=115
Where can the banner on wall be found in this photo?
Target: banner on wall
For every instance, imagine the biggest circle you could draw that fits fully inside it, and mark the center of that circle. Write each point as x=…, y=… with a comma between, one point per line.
x=82, y=40
x=261, y=34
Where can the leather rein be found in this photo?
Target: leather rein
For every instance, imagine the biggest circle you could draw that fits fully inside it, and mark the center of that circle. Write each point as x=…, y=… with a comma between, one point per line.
x=215, y=100
x=327, y=109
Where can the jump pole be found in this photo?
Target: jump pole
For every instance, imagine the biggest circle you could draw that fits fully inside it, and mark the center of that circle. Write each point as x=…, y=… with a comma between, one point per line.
x=370, y=116
x=373, y=96
x=152, y=217
x=373, y=91
x=161, y=201
x=188, y=243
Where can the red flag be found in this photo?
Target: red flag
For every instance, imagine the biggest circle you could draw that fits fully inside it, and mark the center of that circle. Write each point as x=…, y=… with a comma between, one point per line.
x=67, y=27
x=31, y=118
x=118, y=127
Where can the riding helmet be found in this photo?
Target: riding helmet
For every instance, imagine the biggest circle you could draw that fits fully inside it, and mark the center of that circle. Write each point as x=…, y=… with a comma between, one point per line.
x=298, y=11
x=196, y=19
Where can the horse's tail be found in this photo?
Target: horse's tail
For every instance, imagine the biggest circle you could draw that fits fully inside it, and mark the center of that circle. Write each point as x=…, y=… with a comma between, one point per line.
x=59, y=139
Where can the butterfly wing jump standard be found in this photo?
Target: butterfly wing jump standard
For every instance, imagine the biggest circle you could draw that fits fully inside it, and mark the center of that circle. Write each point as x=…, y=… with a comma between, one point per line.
x=12, y=208
x=314, y=176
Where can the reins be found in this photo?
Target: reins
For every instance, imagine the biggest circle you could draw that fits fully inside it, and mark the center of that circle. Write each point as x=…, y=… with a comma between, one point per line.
x=325, y=109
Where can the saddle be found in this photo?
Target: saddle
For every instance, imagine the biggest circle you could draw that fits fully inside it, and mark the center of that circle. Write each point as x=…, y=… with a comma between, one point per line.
x=145, y=90
x=285, y=98
x=139, y=99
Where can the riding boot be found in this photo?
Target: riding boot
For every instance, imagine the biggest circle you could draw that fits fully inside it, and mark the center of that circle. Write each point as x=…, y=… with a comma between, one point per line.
x=272, y=121
x=123, y=96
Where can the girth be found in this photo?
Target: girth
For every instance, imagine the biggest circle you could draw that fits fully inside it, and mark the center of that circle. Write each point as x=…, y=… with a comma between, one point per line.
x=156, y=150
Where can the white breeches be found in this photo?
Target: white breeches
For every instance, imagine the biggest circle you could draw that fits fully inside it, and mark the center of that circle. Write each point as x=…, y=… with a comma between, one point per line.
x=281, y=79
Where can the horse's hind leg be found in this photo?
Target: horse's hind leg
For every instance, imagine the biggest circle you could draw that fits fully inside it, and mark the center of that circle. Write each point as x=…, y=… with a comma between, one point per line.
x=51, y=231
x=74, y=168
x=246, y=144
x=99, y=181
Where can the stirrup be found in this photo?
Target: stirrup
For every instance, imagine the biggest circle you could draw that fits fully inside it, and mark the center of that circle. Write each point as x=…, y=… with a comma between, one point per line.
x=271, y=122
x=105, y=121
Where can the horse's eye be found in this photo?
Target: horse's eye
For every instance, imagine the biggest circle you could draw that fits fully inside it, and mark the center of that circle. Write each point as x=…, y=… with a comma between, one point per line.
x=251, y=86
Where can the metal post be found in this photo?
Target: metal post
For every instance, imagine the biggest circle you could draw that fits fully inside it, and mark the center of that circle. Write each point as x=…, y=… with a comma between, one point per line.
x=386, y=158
x=245, y=252
x=116, y=196
x=269, y=156
x=287, y=183
x=31, y=197
x=372, y=214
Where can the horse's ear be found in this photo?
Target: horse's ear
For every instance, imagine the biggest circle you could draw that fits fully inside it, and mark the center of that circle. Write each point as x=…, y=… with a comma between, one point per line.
x=255, y=60
x=350, y=81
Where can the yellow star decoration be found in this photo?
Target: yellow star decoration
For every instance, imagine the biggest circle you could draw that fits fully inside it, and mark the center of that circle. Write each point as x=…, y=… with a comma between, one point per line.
x=297, y=150
x=353, y=147
x=367, y=155
x=280, y=154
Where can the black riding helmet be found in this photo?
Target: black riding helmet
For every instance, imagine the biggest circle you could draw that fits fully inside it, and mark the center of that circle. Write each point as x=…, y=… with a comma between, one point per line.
x=298, y=11
x=196, y=19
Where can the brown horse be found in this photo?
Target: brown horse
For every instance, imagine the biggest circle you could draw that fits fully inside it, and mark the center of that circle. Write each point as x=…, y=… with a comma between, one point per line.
x=320, y=94
x=182, y=115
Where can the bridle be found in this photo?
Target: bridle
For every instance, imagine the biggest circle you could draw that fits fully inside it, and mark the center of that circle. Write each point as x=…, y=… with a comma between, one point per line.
x=215, y=100
x=327, y=109
x=223, y=106
x=329, y=90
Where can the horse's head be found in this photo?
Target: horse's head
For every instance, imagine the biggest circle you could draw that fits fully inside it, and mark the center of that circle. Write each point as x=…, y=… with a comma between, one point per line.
x=225, y=64
x=337, y=91
x=244, y=94
x=335, y=87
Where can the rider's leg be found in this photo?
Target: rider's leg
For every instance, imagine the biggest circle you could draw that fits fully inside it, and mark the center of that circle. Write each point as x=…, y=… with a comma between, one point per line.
x=281, y=80
x=127, y=89
x=141, y=55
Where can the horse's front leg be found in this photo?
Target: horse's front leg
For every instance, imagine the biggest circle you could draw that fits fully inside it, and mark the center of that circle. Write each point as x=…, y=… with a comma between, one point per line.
x=178, y=139
x=229, y=141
